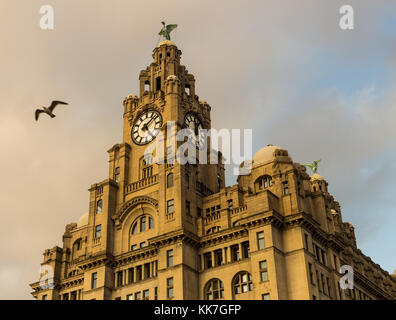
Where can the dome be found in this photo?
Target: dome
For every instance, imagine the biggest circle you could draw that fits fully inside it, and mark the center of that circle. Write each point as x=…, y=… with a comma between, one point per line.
x=316, y=177
x=266, y=154
x=83, y=221
x=166, y=42
x=172, y=77
x=132, y=96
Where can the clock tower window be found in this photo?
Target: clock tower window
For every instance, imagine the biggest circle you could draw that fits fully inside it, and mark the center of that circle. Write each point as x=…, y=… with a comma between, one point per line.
x=158, y=84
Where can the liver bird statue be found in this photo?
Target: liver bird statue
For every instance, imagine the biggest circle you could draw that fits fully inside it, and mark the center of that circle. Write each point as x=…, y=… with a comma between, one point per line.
x=313, y=165
x=167, y=29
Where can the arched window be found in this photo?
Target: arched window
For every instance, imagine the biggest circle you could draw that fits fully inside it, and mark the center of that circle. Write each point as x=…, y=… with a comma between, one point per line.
x=135, y=228
x=169, y=180
x=142, y=224
x=214, y=290
x=99, y=206
x=264, y=182
x=242, y=282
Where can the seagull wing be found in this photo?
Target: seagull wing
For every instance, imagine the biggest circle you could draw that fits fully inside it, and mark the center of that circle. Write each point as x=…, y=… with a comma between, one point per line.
x=37, y=113
x=171, y=27
x=54, y=104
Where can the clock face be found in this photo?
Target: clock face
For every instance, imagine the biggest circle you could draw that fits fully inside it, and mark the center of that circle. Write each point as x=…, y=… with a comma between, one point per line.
x=192, y=122
x=146, y=127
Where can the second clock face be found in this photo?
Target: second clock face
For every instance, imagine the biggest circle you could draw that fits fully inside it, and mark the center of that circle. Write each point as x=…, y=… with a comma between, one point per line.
x=146, y=127
x=192, y=122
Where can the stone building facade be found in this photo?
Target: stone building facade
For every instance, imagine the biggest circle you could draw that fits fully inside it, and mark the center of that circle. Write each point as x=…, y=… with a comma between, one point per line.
x=173, y=231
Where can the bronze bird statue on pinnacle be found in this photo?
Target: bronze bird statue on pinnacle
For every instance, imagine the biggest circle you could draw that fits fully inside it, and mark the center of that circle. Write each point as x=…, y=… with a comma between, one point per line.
x=313, y=165
x=167, y=29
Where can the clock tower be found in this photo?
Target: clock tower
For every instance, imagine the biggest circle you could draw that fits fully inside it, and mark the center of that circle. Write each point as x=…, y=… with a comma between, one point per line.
x=170, y=194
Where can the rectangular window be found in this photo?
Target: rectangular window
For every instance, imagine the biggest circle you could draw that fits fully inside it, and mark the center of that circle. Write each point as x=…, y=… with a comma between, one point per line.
x=199, y=212
x=117, y=174
x=169, y=258
x=208, y=260
x=265, y=296
x=143, y=221
x=169, y=182
x=145, y=294
x=317, y=253
x=188, y=210
x=117, y=298
x=73, y=295
x=119, y=278
x=245, y=250
x=142, y=244
x=218, y=257
x=138, y=295
x=328, y=287
x=139, y=273
x=285, y=185
x=98, y=231
x=263, y=270
x=306, y=241
x=94, y=280
x=323, y=283
x=260, y=240
x=310, y=273
x=66, y=296
x=155, y=293
x=323, y=256
x=318, y=281
x=335, y=263
x=146, y=270
x=170, y=206
x=158, y=83
x=169, y=288
x=134, y=247
x=129, y=297
x=230, y=204
x=44, y=297
x=130, y=275
x=235, y=253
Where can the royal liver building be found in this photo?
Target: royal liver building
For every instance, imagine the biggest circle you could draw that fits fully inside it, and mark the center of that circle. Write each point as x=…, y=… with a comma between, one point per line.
x=175, y=231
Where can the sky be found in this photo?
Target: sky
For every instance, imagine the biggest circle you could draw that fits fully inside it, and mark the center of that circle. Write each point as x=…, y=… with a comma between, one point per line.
x=284, y=69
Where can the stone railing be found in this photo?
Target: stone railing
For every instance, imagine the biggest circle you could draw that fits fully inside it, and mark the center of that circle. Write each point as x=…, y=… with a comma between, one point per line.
x=134, y=186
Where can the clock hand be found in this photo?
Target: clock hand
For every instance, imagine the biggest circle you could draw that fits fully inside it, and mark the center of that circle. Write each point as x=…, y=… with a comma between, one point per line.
x=152, y=119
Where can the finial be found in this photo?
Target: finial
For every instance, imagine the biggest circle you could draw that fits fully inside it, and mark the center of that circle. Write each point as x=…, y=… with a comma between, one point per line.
x=166, y=30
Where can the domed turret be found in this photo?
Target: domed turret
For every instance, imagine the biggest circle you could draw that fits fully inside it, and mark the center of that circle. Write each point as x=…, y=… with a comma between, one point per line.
x=268, y=154
x=83, y=221
x=166, y=43
x=317, y=177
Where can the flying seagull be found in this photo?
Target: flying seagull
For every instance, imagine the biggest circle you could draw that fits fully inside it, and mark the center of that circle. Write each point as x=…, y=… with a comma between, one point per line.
x=49, y=109
x=313, y=166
